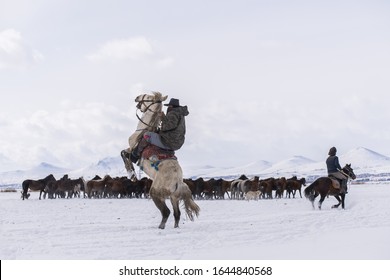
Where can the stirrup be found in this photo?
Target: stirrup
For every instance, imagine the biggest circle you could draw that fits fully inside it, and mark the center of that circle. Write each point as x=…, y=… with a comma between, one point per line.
x=132, y=175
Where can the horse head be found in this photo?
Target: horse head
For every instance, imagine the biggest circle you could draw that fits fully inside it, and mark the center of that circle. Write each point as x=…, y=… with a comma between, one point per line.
x=107, y=178
x=349, y=171
x=145, y=101
x=24, y=195
x=49, y=178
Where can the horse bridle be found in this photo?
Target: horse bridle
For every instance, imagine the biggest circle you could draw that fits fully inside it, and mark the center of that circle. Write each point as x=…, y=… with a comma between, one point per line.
x=139, y=106
x=143, y=101
x=348, y=173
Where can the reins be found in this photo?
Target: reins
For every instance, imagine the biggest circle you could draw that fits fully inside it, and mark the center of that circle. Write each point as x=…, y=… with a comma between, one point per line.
x=346, y=174
x=152, y=102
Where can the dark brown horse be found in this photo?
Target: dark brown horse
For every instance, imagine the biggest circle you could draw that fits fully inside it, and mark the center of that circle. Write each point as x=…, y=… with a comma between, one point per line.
x=36, y=185
x=293, y=185
x=280, y=184
x=69, y=186
x=115, y=188
x=325, y=186
x=96, y=188
x=267, y=186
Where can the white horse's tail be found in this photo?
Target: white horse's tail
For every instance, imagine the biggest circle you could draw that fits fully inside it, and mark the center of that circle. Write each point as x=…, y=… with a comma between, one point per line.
x=189, y=204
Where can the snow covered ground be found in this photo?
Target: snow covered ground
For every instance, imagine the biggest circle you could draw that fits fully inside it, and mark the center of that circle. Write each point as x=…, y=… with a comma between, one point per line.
x=126, y=229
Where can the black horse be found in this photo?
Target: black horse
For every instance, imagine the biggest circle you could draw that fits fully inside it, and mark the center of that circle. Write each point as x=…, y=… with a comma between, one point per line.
x=36, y=185
x=325, y=186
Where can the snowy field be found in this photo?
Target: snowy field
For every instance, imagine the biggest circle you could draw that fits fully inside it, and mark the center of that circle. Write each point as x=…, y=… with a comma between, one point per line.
x=126, y=229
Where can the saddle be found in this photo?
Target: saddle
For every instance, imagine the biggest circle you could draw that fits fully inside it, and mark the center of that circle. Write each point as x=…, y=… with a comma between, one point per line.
x=155, y=154
x=335, y=182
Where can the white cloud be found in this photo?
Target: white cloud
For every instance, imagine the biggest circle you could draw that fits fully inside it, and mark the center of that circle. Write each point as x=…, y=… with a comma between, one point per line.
x=123, y=49
x=10, y=41
x=131, y=49
x=14, y=52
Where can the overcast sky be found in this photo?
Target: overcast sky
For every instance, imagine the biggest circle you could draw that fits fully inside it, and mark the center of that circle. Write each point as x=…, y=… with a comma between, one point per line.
x=263, y=80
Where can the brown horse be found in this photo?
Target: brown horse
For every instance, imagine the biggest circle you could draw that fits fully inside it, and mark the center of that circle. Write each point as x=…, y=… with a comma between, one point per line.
x=280, y=184
x=97, y=187
x=52, y=188
x=325, y=186
x=293, y=185
x=69, y=186
x=36, y=185
x=267, y=186
x=115, y=188
x=225, y=187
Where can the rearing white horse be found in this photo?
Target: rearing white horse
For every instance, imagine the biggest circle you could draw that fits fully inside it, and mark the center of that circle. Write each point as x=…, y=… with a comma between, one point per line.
x=168, y=177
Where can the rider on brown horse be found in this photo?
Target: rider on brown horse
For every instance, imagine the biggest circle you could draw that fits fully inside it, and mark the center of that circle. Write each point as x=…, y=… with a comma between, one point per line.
x=172, y=133
x=334, y=169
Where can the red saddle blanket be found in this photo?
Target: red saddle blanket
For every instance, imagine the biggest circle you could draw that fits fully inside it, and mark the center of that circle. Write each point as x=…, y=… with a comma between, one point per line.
x=159, y=153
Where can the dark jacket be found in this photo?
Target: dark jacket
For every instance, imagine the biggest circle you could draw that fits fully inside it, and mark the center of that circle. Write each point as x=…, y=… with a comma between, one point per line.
x=333, y=165
x=173, y=127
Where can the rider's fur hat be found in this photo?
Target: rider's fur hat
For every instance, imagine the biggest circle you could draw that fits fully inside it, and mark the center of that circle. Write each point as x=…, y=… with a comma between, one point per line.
x=332, y=151
x=173, y=102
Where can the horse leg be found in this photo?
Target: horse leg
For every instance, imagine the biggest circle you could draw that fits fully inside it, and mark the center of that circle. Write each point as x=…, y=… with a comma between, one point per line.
x=176, y=210
x=321, y=200
x=343, y=200
x=312, y=198
x=128, y=165
x=165, y=212
x=340, y=199
x=300, y=194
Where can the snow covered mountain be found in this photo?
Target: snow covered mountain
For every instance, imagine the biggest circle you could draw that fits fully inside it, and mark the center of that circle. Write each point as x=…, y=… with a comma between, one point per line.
x=367, y=164
x=109, y=165
x=38, y=172
x=363, y=158
x=211, y=172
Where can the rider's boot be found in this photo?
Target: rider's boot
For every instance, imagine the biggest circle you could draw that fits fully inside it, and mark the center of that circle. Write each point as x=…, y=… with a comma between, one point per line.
x=136, y=153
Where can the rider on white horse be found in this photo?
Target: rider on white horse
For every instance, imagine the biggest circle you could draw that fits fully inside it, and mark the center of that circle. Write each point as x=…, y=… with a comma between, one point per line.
x=171, y=135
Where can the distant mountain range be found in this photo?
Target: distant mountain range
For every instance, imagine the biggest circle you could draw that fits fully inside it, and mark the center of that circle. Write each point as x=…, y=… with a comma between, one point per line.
x=367, y=164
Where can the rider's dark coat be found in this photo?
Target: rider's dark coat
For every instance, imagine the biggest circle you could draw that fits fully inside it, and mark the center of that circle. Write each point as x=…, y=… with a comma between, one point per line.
x=333, y=165
x=173, y=127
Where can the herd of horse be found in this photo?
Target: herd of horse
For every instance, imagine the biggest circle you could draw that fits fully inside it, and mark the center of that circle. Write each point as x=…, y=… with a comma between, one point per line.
x=97, y=187
x=240, y=188
x=122, y=187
